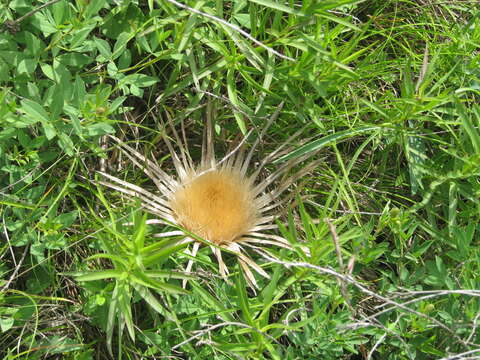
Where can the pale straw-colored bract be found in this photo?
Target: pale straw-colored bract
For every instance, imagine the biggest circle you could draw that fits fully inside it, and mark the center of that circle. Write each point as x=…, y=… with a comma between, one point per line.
x=224, y=202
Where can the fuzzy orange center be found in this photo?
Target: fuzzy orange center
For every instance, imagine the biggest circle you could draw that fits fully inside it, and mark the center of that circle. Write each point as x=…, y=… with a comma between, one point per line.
x=217, y=206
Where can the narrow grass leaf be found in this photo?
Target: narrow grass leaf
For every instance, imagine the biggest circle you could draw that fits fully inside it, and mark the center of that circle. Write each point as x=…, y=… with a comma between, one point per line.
x=327, y=140
x=97, y=275
x=242, y=297
x=151, y=300
x=112, y=257
x=212, y=302
x=112, y=315
x=162, y=255
x=278, y=6
x=232, y=95
x=467, y=126
x=141, y=279
x=140, y=230
x=124, y=304
x=167, y=274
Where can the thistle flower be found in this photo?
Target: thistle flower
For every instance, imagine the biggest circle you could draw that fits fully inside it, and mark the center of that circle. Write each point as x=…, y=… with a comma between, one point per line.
x=224, y=202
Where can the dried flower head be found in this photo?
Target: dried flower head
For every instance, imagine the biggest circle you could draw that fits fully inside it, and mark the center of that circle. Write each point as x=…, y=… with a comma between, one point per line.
x=221, y=201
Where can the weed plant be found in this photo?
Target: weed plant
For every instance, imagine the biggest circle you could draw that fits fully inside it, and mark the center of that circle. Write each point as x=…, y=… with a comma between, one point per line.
x=386, y=95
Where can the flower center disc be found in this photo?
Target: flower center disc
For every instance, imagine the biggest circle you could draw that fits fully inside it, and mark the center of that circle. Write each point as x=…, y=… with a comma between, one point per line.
x=217, y=206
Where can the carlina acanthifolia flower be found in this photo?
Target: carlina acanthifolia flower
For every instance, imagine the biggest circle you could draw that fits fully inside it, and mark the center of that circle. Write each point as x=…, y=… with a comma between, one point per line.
x=224, y=202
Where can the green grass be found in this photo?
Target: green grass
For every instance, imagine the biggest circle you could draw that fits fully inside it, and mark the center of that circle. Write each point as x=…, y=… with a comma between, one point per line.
x=387, y=92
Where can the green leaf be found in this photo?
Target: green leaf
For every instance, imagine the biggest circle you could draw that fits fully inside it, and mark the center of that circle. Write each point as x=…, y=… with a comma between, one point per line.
x=143, y=280
x=56, y=100
x=116, y=103
x=6, y=318
x=160, y=256
x=120, y=44
x=151, y=300
x=35, y=111
x=139, y=80
x=38, y=114
x=74, y=59
x=27, y=66
x=124, y=303
x=96, y=275
x=67, y=219
x=216, y=305
x=112, y=315
x=47, y=70
x=66, y=144
x=114, y=258
x=243, y=299
x=468, y=126
x=43, y=23
x=103, y=47
x=94, y=7
x=167, y=274
x=140, y=230
x=34, y=45
x=278, y=6
x=78, y=38
x=79, y=92
x=327, y=140
x=99, y=129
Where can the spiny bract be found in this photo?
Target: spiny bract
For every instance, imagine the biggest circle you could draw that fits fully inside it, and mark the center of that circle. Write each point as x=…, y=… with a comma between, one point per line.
x=221, y=201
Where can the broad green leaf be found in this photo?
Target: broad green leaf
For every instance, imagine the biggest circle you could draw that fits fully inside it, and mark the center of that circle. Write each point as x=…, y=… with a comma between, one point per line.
x=35, y=111
x=97, y=129
x=56, y=100
x=43, y=23
x=140, y=80
x=120, y=44
x=103, y=47
x=93, y=7
x=34, y=44
x=27, y=66
x=66, y=144
x=38, y=114
x=67, y=218
x=74, y=59
x=48, y=71
x=79, y=37
x=116, y=103
x=79, y=94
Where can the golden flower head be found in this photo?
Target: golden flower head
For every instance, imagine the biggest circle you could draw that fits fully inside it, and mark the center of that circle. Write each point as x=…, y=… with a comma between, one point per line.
x=221, y=201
